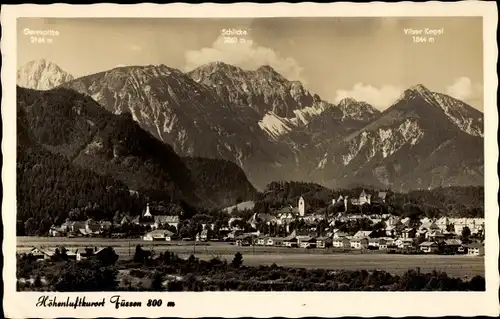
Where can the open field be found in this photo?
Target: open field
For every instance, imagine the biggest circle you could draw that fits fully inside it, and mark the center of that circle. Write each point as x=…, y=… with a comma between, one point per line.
x=455, y=266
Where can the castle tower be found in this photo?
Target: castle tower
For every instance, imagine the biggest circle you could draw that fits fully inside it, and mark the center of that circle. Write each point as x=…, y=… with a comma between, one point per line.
x=302, y=206
x=345, y=203
x=333, y=202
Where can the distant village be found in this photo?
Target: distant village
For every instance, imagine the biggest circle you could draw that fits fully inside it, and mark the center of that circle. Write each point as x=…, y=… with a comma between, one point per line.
x=293, y=227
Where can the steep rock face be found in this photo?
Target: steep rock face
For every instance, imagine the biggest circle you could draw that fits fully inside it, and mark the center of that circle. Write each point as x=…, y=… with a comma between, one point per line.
x=464, y=116
x=264, y=89
x=41, y=75
x=349, y=108
x=282, y=105
x=414, y=135
x=189, y=116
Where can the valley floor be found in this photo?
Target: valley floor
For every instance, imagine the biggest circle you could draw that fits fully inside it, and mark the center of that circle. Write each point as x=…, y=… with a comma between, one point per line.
x=455, y=265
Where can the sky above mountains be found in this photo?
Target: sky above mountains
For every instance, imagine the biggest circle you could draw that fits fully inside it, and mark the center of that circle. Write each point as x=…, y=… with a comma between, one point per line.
x=369, y=59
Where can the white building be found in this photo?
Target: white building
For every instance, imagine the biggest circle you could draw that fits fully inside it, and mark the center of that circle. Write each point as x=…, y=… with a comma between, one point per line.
x=364, y=198
x=302, y=206
x=359, y=243
x=475, y=225
x=159, y=234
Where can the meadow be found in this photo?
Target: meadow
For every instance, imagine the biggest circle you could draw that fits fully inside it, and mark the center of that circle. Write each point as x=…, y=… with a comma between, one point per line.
x=455, y=265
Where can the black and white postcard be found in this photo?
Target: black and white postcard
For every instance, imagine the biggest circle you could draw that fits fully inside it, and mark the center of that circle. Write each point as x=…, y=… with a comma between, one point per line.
x=250, y=160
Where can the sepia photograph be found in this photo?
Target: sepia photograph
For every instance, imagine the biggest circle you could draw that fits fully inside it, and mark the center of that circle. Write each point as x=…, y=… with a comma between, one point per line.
x=249, y=154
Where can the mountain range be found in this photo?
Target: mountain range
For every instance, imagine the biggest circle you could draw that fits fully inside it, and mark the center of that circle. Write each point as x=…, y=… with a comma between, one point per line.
x=275, y=129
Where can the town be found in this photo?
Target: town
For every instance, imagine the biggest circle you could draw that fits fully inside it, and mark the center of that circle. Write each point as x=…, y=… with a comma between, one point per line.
x=294, y=227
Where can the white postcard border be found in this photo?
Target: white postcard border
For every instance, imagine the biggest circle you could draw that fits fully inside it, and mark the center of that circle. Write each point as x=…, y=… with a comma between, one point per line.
x=267, y=304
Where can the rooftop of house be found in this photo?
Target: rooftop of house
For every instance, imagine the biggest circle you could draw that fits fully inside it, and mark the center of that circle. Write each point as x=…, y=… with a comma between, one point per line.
x=288, y=210
x=43, y=251
x=164, y=219
x=453, y=242
x=428, y=243
x=405, y=239
x=160, y=232
x=323, y=238
x=475, y=245
x=363, y=233
x=204, y=232
x=359, y=239
x=263, y=217
x=244, y=236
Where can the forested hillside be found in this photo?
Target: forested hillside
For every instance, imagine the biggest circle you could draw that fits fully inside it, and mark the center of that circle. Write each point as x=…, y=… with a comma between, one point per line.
x=219, y=180
x=72, y=152
x=467, y=201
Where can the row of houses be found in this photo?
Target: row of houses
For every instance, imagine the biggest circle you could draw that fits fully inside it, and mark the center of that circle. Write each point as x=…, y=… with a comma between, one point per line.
x=359, y=242
x=47, y=254
x=95, y=228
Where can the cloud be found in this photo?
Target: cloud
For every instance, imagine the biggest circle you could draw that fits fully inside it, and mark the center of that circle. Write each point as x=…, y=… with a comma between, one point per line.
x=245, y=55
x=134, y=47
x=463, y=89
x=381, y=98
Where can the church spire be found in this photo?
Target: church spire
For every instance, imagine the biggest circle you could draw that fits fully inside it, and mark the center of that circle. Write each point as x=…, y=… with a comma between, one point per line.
x=147, y=213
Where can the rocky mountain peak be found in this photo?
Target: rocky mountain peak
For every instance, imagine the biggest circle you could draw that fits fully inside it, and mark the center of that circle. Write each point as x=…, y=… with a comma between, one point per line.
x=347, y=101
x=41, y=74
x=420, y=88
x=268, y=71
x=218, y=66
x=266, y=68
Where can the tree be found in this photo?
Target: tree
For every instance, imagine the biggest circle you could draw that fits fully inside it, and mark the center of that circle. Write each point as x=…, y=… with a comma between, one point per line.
x=139, y=254
x=30, y=226
x=466, y=233
x=38, y=282
x=20, y=231
x=477, y=283
x=87, y=276
x=107, y=256
x=45, y=225
x=157, y=283
x=450, y=228
x=237, y=260
x=117, y=218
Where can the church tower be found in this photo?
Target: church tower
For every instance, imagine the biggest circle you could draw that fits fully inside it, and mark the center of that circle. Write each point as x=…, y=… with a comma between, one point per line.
x=302, y=206
x=147, y=213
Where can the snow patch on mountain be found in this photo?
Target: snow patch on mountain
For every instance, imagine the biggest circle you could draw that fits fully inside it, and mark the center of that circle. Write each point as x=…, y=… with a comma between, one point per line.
x=354, y=147
x=323, y=161
x=275, y=125
x=384, y=141
x=305, y=114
